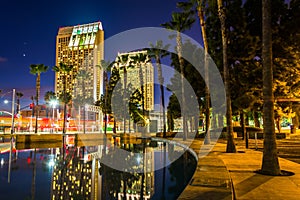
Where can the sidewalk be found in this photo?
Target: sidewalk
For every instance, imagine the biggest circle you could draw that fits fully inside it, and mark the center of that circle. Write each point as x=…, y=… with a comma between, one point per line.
x=250, y=185
x=221, y=175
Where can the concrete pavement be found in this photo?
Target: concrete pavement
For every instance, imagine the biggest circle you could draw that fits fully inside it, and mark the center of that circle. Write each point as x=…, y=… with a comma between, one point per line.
x=222, y=175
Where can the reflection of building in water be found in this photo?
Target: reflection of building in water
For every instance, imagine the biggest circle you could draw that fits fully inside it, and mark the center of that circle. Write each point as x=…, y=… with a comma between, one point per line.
x=76, y=175
x=72, y=177
x=134, y=192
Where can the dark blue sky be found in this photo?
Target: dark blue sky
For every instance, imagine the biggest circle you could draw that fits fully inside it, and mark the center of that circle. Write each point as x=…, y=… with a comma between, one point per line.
x=29, y=29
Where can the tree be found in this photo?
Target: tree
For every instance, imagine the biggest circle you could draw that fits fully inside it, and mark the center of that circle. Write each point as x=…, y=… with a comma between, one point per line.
x=270, y=163
x=122, y=61
x=81, y=99
x=65, y=96
x=105, y=66
x=180, y=22
x=113, y=80
x=173, y=111
x=37, y=69
x=230, y=143
x=158, y=51
x=200, y=10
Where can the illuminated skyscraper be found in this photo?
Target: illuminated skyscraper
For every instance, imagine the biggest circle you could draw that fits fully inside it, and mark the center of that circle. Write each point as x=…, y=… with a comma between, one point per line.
x=82, y=47
x=138, y=73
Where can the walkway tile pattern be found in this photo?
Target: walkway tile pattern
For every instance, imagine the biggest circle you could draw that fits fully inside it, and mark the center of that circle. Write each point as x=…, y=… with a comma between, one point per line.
x=222, y=175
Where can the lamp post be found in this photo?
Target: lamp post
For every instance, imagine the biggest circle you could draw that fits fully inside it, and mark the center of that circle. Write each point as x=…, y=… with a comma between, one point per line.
x=12, y=111
x=53, y=103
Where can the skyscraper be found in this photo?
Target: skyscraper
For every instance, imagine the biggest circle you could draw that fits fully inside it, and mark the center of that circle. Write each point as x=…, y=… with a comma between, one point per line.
x=82, y=47
x=139, y=73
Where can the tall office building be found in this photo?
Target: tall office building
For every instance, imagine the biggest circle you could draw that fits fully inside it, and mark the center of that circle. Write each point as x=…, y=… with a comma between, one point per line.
x=138, y=73
x=82, y=47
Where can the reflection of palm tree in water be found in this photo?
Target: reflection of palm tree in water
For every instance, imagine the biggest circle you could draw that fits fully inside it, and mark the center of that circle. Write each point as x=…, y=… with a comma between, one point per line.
x=33, y=176
x=184, y=163
x=164, y=171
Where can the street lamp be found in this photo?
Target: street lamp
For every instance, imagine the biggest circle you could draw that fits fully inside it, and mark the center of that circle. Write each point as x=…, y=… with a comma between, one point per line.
x=53, y=103
x=12, y=110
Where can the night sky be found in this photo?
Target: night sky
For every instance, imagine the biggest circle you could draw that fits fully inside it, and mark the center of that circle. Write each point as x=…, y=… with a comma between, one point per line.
x=29, y=28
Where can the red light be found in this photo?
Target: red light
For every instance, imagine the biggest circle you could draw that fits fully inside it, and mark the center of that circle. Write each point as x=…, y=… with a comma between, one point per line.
x=28, y=160
x=31, y=105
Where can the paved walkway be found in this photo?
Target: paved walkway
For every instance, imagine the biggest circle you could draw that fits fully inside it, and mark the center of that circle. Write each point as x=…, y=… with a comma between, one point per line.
x=221, y=175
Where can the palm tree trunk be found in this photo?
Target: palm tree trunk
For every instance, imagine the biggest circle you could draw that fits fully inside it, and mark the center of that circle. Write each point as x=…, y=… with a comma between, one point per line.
x=230, y=143
x=270, y=164
x=38, y=80
x=244, y=131
x=207, y=95
x=255, y=117
x=164, y=171
x=65, y=105
x=179, y=52
x=161, y=81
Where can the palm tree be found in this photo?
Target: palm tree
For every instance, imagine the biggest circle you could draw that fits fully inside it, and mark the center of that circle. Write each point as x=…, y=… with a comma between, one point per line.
x=122, y=60
x=181, y=22
x=158, y=51
x=83, y=99
x=37, y=69
x=230, y=143
x=65, y=96
x=33, y=180
x=270, y=164
x=105, y=66
x=200, y=7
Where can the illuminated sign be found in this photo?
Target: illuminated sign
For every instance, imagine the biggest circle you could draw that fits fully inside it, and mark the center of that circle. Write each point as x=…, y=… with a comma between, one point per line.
x=86, y=33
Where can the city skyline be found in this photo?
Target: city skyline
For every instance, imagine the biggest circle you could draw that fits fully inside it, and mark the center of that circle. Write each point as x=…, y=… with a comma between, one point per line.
x=30, y=37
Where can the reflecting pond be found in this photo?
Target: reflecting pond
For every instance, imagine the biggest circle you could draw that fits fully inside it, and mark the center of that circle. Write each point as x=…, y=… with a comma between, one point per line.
x=154, y=170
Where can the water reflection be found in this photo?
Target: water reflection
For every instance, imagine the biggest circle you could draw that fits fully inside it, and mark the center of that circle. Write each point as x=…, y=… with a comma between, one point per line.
x=74, y=172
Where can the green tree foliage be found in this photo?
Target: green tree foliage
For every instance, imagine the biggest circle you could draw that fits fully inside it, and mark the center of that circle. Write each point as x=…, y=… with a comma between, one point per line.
x=173, y=111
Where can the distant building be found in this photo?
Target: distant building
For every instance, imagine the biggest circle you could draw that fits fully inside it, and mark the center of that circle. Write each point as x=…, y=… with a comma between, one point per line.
x=134, y=78
x=81, y=46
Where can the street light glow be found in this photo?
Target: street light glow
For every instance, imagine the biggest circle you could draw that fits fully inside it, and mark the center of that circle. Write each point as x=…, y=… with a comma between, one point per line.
x=53, y=103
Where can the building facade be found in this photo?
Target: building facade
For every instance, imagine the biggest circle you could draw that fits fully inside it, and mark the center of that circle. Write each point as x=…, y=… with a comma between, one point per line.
x=138, y=73
x=82, y=47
